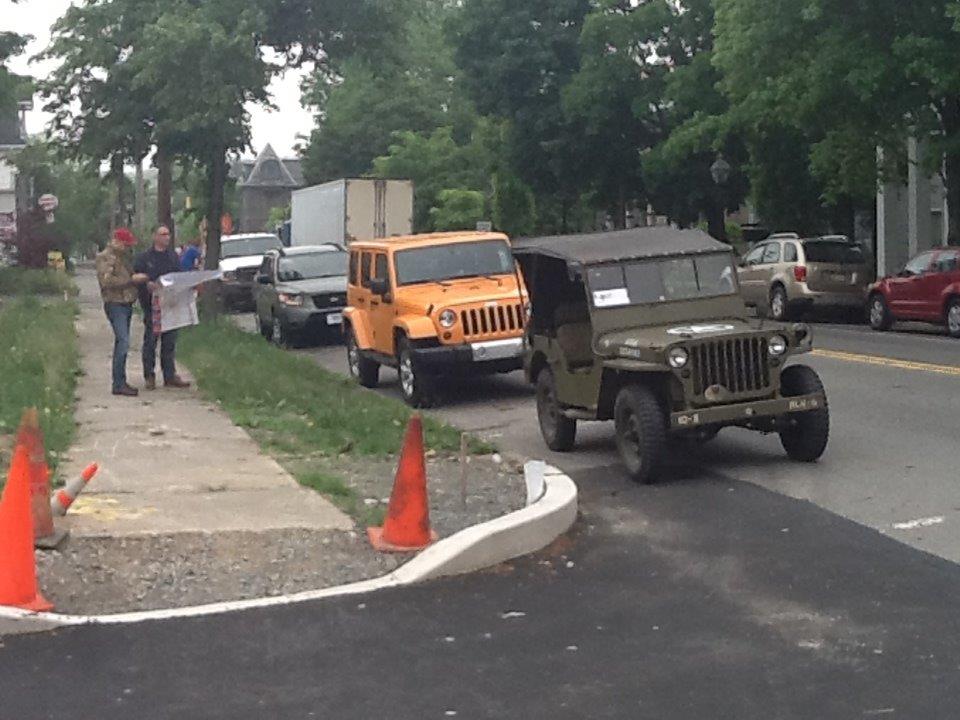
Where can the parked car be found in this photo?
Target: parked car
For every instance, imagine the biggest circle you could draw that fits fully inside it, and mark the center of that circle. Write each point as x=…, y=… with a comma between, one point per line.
x=301, y=291
x=785, y=274
x=240, y=258
x=433, y=305
x=647, y=327
x=927, y=289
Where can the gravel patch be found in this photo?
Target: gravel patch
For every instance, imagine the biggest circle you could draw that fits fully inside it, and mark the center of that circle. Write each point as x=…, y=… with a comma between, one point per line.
x=106, y=575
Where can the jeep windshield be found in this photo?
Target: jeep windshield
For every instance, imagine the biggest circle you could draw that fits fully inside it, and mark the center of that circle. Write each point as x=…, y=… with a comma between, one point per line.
x=311, y=266
x=241, y=247
x=439, y=263
x=666, y=280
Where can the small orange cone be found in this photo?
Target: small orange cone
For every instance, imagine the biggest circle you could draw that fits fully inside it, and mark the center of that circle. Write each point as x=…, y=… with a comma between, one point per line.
x=18, y=570
x=407, y=525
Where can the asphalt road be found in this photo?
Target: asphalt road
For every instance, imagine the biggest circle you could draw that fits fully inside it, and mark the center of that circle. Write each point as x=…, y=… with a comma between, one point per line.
x=738, y=588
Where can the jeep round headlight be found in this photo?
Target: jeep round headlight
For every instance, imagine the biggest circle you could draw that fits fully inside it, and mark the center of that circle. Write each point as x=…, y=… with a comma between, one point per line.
x=448, y=318
x=677, y=357
x=777, y=345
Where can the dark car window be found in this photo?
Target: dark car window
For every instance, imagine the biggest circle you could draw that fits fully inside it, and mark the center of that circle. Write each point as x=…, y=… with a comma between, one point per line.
x=948, y=262
x=311, y=266
x=654, y=281
x=452, y=261
x=365, y=269
x=832, y=251
x=753, y=257
x=919, y=265
x=256, y=245
x=354, y=268
x=789, y=252
x=771, y=254
x=380, y=267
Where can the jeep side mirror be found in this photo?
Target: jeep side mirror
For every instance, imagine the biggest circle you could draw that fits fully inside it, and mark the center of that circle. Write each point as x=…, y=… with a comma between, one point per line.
x=379, y=286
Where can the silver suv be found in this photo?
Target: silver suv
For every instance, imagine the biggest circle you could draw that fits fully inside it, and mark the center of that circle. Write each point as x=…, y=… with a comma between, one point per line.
x=786, y=274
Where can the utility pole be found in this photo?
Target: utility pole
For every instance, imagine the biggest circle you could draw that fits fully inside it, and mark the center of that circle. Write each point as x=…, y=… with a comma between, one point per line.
x=141, y=199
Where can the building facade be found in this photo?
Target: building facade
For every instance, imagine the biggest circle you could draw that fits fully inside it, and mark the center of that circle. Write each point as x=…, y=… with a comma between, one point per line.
x=12, y=139
x=262, y=185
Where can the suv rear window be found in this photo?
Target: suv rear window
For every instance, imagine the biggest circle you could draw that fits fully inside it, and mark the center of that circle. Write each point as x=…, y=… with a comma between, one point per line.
x=832, y=251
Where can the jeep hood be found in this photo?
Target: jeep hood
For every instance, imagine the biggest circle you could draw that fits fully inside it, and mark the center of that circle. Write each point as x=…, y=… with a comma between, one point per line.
x=662, y=336
x=456, y=293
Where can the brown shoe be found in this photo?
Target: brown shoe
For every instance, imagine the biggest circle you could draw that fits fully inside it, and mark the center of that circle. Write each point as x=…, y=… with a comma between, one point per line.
x=127, y=391
x=176, y=382
x=150, y=383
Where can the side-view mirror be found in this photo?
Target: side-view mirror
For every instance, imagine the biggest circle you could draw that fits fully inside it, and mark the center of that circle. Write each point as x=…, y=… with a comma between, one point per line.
x=379, y=286
x=263, y=279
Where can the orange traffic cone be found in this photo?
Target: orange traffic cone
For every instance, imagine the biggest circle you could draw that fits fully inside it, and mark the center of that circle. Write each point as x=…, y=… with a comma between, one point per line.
x=18, y=570
x=45, y=535
x=407, y=525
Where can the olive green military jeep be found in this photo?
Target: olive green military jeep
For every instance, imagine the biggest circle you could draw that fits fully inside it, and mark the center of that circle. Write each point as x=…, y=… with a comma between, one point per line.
x=646, y=327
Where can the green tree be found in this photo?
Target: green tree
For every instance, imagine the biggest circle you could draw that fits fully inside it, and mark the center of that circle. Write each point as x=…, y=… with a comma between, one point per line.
x=514, y=205
x=12, y=86
x=458, y=209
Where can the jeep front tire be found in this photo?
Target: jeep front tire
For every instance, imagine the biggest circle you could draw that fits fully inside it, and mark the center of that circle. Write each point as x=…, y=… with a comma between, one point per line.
x=641, y=432
x=416, y=386
x=806, y=434
x=365, y=371
x=559, y=432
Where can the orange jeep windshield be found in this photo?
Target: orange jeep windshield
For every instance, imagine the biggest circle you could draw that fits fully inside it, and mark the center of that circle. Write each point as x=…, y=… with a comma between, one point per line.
x=450, y=262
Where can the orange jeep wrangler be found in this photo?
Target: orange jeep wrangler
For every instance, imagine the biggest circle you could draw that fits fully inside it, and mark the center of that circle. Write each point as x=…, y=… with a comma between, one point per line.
x=431, y=305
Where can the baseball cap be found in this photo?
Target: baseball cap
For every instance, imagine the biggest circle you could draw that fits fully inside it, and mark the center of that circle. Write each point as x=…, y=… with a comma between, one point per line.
x=124, y=236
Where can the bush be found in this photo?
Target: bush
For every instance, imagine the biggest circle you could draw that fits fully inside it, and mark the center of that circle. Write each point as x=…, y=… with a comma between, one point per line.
x=26, y=281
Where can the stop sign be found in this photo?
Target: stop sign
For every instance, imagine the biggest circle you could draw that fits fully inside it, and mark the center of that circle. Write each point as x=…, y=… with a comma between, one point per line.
x=48, y=202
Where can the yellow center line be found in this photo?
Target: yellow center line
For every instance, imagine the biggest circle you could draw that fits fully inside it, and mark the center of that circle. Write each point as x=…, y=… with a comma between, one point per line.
x=888, y=362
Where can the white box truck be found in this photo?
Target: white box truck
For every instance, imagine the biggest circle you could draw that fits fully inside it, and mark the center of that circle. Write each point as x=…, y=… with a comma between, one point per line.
x=354, y=209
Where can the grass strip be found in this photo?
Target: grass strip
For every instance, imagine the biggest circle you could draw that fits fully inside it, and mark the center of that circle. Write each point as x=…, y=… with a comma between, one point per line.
x=296, y=410
x=39, y=363
x=26, y=281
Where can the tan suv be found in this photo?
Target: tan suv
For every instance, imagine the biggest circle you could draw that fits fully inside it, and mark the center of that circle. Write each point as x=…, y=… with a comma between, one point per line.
x=786, y=274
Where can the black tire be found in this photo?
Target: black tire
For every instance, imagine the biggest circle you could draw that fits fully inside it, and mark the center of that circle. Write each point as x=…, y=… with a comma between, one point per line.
x=779, y=304
x=416, y=386
x=279, y=333
x=266, y=331
x=559, y=432
x=641, y=432
x=878, y=313
x=364, y=370
x=805, y=438
x=953, y=318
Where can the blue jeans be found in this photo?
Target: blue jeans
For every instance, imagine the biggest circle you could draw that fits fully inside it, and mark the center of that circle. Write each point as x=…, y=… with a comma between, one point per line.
x=168, y=350
x=119, y=315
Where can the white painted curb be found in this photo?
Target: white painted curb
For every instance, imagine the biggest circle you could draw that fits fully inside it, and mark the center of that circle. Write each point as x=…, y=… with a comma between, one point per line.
x=516, y=534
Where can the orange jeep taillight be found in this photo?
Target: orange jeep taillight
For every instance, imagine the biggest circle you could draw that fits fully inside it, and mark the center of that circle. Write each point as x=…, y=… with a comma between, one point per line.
x=800, y=273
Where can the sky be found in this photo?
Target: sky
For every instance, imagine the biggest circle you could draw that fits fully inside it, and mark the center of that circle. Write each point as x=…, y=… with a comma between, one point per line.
x=279, y=128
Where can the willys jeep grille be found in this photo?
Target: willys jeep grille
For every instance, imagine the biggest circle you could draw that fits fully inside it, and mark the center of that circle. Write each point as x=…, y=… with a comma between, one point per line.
x=739, y=364
x=492, y=320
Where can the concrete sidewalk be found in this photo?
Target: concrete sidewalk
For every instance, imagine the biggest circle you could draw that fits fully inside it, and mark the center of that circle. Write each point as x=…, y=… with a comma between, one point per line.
x=169, y=461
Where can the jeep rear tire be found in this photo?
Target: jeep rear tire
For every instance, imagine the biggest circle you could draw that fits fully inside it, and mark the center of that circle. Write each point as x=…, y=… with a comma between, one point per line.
x=363, y=370
x=805, y=438
x=641, y=432
x=559, y=432
x=416, y=386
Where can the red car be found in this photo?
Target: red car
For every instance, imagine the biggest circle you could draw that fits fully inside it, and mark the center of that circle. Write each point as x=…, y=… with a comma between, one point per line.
x=927, y=289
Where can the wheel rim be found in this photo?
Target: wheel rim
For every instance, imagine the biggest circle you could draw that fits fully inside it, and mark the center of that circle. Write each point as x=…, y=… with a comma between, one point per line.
x=407, y=377
x=630, y=441
x=876, y=311
x=353, y=356
x=776, y=305
x=953, y=319
x=277, y=331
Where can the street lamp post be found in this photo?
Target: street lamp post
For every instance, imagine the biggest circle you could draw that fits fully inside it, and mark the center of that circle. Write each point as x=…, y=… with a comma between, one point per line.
x=720, y=172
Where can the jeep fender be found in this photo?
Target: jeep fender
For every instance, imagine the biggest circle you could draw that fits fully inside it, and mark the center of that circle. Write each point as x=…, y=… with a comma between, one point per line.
x=360, y=324
x=416, y=328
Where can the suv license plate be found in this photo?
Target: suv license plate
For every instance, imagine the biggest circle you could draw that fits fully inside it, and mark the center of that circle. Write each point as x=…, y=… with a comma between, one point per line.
x=334, y=318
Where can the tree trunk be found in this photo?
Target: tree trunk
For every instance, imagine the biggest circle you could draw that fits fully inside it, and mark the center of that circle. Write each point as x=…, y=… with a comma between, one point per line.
x=140, y=215
x=164, y=165
x=620, y=219
x=217, y=180
x=951, y=129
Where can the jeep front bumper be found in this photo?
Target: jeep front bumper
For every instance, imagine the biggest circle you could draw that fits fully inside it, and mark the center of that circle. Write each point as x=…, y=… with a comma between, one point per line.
x=492, y=356
x=742, y=413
